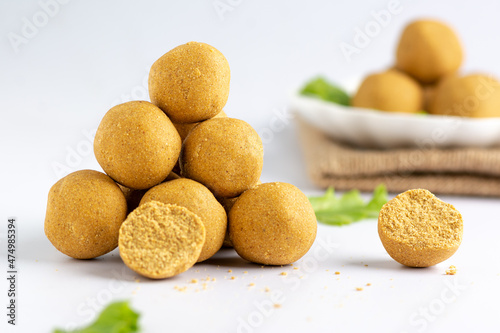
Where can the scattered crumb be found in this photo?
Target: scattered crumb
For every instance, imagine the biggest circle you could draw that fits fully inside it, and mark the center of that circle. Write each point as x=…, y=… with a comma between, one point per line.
x=181, y=289
x=337, y=273
x=295, y=268
x=137, y=280
x=213, y=279
x=301, y=277
x=267, y=289
x=452, y=270
x=327, y=270
x=261, y=266
x=245, y=272
x=229, y=270
x=204, y=286
x=284, y=273
x=194, y=281
x=366, y=265
x=359, y=289
x=233, y=277
x=368, y=284
x=277, y=306
x=197, y=271
x=251, y=284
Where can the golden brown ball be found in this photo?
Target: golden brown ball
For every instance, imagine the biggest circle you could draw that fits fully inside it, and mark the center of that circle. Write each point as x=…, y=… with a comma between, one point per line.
x=224, y=154
x=184, y=129
x=85, y=210
x=137, y=145
x=272, y=224
x=428, y=50
x=389, y=91
x=190, y=83
x=476, y=96
x=199, y=200
x=419, y=230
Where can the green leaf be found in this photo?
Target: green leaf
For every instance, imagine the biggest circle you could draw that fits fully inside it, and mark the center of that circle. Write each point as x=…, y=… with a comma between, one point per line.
x=349, y=208
x=321, y=88
x=117, y=317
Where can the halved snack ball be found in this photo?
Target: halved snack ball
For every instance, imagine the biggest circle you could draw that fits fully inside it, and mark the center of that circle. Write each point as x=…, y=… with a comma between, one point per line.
x=476, y=96
x=419, y=230
x=224, y=154
x=137, y=145
x=190, y=83
x=160, y=241
x=272, y=224
x=391, y=91
x=199, y=200
x=85, y=210
x=428, y=50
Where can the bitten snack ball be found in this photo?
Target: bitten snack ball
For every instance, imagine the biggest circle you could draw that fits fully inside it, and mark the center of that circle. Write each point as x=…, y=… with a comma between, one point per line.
x=419, y=230
x=160, y=241
x=389, y=91
x=272, y=224
x=190, y=83
x=85, y=210
x=428, y=50
x=476, y=96
x=137, y=145
x=199, y=200
x=224, y=154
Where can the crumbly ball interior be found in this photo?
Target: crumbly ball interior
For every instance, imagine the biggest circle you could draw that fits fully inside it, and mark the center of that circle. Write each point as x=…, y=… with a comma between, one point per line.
x=159, y=240
x=418, y=218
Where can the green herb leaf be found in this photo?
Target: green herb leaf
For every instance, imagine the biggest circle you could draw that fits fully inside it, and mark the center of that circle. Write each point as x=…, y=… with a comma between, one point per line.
x=117, y=317
x=321, y=88
x=349, y=208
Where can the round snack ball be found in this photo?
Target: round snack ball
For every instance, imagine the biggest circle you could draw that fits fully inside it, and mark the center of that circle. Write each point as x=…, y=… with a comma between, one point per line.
x=224, y=154
x=476, y=96
x=190, y=82
x=419, y=230
x=184, y=129
x=389, y=91
x=272, y=224
x=199, y=200
x=137, y=145
x=428, y=50
x=228, y=203
x=160, y=241
x=85, y=210
x=132, y=196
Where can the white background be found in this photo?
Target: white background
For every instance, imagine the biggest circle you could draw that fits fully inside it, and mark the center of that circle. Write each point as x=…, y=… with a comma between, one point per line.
x=90, y=55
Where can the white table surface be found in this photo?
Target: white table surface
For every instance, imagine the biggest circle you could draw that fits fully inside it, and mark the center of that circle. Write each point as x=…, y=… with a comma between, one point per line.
x=92, y=55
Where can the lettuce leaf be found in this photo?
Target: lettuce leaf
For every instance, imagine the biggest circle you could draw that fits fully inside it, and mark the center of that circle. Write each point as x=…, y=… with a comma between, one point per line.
x=322, y=89
x=348, y=208
x=117, y=317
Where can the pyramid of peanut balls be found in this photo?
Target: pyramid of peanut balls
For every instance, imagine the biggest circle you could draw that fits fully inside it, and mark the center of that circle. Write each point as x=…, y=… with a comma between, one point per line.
x=182, y=180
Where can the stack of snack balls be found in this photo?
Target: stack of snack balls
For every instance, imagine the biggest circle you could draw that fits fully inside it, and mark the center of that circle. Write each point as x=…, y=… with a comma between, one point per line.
x=163, y=222
x=425, y=78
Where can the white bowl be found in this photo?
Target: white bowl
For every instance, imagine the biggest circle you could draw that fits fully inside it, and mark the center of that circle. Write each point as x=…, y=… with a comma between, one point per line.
x=378, y=129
